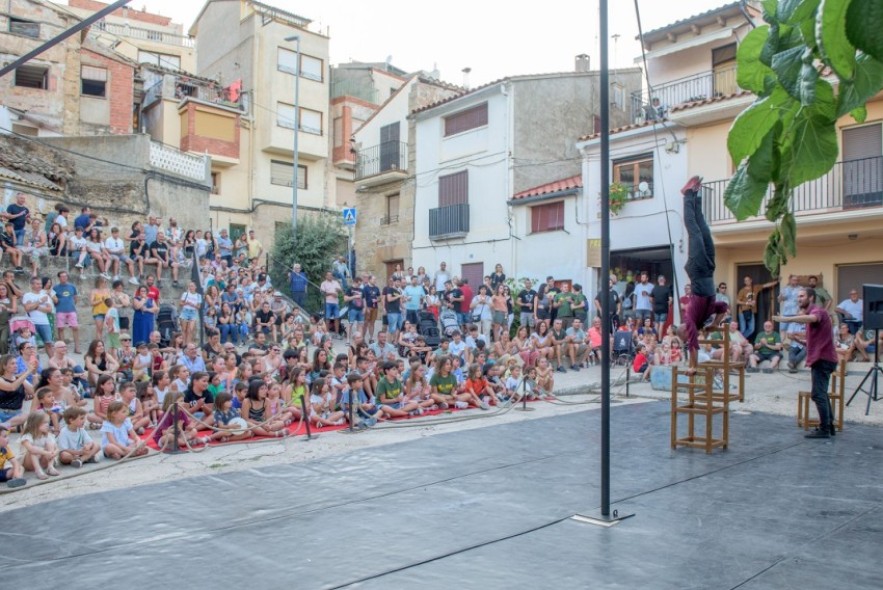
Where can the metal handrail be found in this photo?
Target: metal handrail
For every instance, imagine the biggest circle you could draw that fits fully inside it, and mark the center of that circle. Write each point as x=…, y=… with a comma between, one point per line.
x=385, y=157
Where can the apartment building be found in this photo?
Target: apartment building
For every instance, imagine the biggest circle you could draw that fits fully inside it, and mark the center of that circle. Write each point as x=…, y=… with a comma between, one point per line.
x=256, y=58
x=478, y=153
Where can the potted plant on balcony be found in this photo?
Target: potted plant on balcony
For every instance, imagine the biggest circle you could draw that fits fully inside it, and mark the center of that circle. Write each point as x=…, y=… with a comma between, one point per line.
x=619, y=194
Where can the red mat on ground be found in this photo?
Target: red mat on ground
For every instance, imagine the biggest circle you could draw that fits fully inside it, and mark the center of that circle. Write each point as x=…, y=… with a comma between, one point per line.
x=297, y=429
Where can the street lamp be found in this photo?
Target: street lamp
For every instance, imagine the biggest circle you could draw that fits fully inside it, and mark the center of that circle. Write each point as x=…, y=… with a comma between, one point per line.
x=296, y=39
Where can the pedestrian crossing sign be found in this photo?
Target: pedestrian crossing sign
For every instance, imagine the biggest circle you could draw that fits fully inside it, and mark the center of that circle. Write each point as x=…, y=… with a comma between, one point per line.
x=349, y=216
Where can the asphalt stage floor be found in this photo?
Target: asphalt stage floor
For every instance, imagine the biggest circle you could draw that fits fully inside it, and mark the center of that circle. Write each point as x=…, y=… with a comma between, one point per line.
x=488, y=508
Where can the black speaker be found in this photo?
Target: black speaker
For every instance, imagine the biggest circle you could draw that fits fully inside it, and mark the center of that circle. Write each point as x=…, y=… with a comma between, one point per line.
x=873, y=307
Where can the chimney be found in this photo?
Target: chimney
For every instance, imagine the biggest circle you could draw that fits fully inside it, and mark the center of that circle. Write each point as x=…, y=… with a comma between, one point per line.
x=582, y=63
x=466, y=71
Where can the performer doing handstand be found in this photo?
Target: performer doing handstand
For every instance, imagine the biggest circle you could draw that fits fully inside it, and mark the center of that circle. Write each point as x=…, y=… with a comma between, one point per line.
x=700, y=269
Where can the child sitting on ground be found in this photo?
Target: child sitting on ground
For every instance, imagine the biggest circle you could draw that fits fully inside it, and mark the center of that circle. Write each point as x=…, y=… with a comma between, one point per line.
x=174, y=412
x=478, y=386
x=46, y=403
x=322, y=405
x=224, y=413
x=105, y=394
x=139, y=419
x=75, y=444
x=118, y=438
x=40, y=448
x=544, y=379
x=641, y=364
x=11, y=470
x=146, y=394
x=365, y=409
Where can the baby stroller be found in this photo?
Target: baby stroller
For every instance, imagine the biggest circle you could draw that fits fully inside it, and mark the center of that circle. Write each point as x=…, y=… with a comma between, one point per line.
x=449, y=322
x=623, y=347
x=428, y=328
x=166, y=323
x=16, y=323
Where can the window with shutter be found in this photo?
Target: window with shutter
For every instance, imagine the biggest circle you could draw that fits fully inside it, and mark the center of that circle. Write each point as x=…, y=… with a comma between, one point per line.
x=547, y=217
x=282, y=174
x=466, y=120
x=93, y=81
x=453, y=189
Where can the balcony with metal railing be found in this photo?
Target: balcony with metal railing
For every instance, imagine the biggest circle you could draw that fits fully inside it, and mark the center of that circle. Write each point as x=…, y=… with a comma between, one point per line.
x=125, y=30
x=853, y=185
x=657, y=102
x=382, y=164
x=446, y=223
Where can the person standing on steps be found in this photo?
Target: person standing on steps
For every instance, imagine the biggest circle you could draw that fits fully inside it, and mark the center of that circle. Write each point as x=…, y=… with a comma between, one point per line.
x=700, y=268
x=821, y=356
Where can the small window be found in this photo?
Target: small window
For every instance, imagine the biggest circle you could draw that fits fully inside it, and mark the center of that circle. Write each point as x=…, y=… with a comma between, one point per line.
x=281, y=174
x=27, y=28
x=311, y=121
x=636, y=174
x=285, y=115
x=617, y=96
x=30, y=76
x=310, y=67
x=723, y=55
x=392, y=210
x=466, y=120
x=93, y=81
x=548, y=217
x=216, y=183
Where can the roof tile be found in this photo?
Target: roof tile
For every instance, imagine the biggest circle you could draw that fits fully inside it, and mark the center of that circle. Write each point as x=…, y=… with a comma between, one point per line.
x=556, y=186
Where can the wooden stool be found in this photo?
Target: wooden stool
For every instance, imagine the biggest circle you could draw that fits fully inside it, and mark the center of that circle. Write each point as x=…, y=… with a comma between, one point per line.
x=701, y=401
x=836, y=395
x=726, y=365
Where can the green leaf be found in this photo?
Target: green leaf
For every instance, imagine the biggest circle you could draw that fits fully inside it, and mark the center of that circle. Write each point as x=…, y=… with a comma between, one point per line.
x=824, y=105
x=770, y=47
x=751, y=72
x=811, y=149
x=808, y=78
x=864, y=26
x=744, y=194
x=771, y=257
x=867, y=83
x=788, y=66
x=859, y=114
x=753, y=124
x=778, y=205
x=788, y=228
x=769, y=10
x=831, y=34
x=808, y=31
x=797, y=11
x=763, y=164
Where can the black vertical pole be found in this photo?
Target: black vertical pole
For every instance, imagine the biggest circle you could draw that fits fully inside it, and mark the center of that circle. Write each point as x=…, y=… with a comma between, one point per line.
x=605, y=262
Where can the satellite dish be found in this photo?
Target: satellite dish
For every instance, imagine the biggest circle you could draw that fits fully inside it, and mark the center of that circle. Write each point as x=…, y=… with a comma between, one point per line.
x=644, y=188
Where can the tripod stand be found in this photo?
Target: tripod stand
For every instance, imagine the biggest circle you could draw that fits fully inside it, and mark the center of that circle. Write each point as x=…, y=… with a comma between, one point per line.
x=872, y=392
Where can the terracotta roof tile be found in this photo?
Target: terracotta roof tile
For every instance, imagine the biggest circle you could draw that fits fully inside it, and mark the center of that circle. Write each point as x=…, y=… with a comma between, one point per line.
x=623, y=128
x=704, y=101
x=557, y=186
x=726, y=7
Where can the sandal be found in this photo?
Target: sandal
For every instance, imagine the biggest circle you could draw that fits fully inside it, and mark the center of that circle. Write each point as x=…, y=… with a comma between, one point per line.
x=52, y=471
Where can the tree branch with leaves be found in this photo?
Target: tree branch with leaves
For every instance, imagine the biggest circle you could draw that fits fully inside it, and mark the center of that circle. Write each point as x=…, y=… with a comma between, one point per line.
x=812, y=63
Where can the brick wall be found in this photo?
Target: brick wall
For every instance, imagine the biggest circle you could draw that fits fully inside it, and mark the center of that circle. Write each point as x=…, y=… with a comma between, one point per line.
x=120, y=90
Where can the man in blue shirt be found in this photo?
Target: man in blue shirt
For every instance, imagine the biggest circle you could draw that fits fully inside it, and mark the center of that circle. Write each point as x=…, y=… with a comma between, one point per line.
x=297, y=279
x=18, y=215
x=84, y=219
x=414, y=295
x=225, y=246
x=65, y=299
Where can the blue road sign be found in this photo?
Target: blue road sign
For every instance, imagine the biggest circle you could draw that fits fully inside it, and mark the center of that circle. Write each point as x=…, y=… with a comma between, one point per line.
x=349, y=216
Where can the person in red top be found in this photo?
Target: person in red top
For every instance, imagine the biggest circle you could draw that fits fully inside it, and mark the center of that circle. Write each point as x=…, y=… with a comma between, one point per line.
x=152, y=289
x=467, y=295
x=821, y=356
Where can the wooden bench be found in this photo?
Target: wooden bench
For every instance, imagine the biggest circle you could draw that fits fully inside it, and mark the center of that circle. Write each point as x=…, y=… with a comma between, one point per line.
x=701, y=401
x=836, y=395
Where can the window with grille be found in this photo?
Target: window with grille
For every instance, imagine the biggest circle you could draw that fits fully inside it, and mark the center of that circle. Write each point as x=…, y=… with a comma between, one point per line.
x=547, y=217
x=392, y=210
x=465, y=120
x=282, y=174
x=30, y=76
x=453, y=189
x=93, y=81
